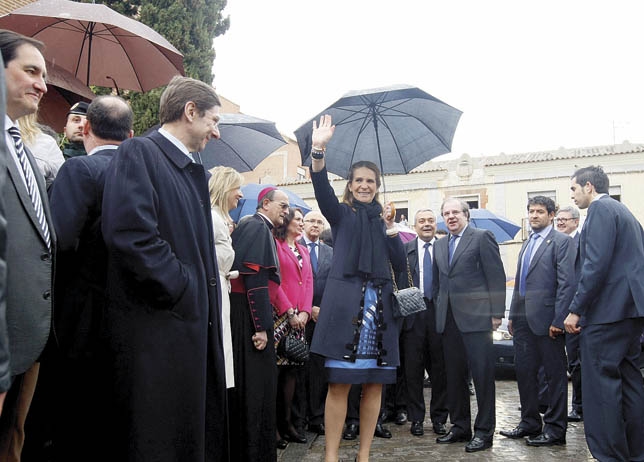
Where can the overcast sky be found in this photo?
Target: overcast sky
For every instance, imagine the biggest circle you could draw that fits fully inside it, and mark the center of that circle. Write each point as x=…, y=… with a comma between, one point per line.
x=528, y=76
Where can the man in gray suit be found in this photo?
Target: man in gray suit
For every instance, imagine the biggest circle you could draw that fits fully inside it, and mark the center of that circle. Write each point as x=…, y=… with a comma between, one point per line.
x=312, y=397
x=5, y=371
x=610, y=300
x=543, y=289
x=30, y=238
x=469, y=295
x=567, y=222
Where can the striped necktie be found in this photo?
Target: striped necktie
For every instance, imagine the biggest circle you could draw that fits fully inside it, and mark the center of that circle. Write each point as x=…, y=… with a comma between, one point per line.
x=32, y=186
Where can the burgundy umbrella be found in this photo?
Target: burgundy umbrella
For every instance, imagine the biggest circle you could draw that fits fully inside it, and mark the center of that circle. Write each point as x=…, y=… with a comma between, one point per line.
x=98, y=45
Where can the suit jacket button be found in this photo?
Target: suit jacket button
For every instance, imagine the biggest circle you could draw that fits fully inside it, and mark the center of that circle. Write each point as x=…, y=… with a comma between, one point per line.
x=46, y=294
x=212, y=281
x=45, y=257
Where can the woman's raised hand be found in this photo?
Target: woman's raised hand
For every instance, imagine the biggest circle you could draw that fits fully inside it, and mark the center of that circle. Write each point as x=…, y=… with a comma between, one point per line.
x=322, y=132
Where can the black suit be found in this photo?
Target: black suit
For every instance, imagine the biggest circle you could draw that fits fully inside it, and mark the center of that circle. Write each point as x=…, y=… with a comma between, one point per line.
x=610, y=297
x=549, y=288
x=572, y=346
x=421, y=348
x=311, y=397
x=467, y=294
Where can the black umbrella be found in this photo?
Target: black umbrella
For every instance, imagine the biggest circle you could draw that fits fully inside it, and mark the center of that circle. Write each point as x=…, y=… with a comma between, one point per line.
x=245, y=142
x=397, y=128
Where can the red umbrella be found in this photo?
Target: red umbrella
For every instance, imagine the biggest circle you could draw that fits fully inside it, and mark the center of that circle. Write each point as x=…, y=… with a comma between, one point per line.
x=98, y=45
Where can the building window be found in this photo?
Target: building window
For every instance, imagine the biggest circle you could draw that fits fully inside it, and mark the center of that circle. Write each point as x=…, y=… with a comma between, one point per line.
x=551, y=194
x=615, y=192
x=473, y=200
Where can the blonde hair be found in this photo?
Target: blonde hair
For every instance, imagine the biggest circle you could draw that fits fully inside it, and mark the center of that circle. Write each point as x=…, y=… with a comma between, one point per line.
x=29, y=129
x=221, y=183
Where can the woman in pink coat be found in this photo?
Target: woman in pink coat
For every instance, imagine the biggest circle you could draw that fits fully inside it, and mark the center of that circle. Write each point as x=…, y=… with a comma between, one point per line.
x=291, y=300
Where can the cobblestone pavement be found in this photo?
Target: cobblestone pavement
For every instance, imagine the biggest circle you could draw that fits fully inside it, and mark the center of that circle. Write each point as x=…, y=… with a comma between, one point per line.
x=406, y=447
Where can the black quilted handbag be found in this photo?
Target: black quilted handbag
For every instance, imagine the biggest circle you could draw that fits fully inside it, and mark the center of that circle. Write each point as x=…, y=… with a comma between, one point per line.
x=406, y=301
x=293, y=348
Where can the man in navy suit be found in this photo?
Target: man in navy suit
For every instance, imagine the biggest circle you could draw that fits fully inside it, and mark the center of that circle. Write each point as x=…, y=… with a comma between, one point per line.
x=469, y=296
x=567, y=222
x=311, y=395
x=163, y=315
x=79, y=393
x=421, y=347
x=543, y=288
x=610, y=298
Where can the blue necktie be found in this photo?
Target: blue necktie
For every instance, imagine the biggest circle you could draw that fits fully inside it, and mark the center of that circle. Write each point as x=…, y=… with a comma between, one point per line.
x=452, y=246
x=525, y=264
x=314, y=257
x=427, y=272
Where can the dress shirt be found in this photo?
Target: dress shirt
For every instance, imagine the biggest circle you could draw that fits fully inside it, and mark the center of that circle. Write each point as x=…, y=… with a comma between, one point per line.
x=420, y=248
x=174, y=140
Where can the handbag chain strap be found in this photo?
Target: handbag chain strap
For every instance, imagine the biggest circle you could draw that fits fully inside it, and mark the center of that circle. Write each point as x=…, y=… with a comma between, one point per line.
x=393, y=277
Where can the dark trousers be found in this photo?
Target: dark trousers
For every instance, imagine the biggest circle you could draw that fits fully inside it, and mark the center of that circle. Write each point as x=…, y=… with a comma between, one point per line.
x=421, y=348
x=613, y=390
x=310, y=393
x=459, y=348
x=533, y=352
x=574, y=368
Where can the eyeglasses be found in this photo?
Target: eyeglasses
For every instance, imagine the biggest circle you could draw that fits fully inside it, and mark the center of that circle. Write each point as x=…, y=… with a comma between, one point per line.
x=284, y=206
x=315, y=222
x=564, y=220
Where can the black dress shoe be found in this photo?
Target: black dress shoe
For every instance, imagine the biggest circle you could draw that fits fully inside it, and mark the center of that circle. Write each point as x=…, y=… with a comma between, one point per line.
x=350, y=432
x=518, y=432
x=544, y=439
x=281, y=444
x=575, y=416
x=382, y=431
x=317, y=428
x=417, y=429
x=386, y=417
x=401, y=418
x=478, y=444
x=440, y=428
x=294, y=437
x=452, y=437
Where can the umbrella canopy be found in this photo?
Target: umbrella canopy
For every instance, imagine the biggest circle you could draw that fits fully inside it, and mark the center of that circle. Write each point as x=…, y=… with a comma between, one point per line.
x=502, y=228
x=397, y=128
x=98, y=45
x=248, y=204
x=245, y=141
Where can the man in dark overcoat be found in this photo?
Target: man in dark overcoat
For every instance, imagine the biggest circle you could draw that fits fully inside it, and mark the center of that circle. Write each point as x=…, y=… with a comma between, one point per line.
x=163, y=317
x=73, y=369
x=609, y=303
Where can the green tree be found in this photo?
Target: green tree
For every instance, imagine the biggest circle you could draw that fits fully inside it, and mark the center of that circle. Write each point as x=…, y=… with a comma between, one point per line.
x=191, y=26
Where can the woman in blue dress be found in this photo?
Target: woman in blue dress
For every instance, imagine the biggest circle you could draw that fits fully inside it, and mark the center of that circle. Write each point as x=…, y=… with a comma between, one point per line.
x=356, y=331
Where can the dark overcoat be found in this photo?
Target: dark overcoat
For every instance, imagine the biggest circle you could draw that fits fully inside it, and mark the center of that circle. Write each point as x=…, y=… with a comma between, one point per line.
x=342, y=295
x=163, y=312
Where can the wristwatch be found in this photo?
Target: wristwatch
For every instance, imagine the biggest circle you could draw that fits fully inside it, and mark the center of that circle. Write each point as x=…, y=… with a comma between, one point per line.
x=317, y=154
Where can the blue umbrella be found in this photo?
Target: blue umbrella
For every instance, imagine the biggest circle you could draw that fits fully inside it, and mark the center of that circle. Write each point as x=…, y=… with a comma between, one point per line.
x=502, y=228
x=248, y=204
x=397, y=128
x=245, y=141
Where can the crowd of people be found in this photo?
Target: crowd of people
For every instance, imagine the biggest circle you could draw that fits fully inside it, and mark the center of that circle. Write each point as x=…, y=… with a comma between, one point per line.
x=139, y=322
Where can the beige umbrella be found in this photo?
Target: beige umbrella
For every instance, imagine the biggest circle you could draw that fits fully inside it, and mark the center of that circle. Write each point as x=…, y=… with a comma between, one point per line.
x=98, y=45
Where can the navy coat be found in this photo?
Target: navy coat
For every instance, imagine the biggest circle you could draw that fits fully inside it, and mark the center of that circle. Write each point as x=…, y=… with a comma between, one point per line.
x=341, y=300
x=163, y=312
x=550, y=283
x=611, y=278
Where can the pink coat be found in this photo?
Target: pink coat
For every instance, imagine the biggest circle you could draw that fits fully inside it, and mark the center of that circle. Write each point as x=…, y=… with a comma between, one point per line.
x=296, y=288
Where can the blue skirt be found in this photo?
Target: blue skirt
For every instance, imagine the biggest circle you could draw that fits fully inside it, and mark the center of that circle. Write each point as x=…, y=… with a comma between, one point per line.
x=365, y=369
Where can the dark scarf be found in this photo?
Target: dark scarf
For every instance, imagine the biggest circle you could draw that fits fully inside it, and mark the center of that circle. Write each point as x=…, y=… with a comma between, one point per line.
x=367, y=257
